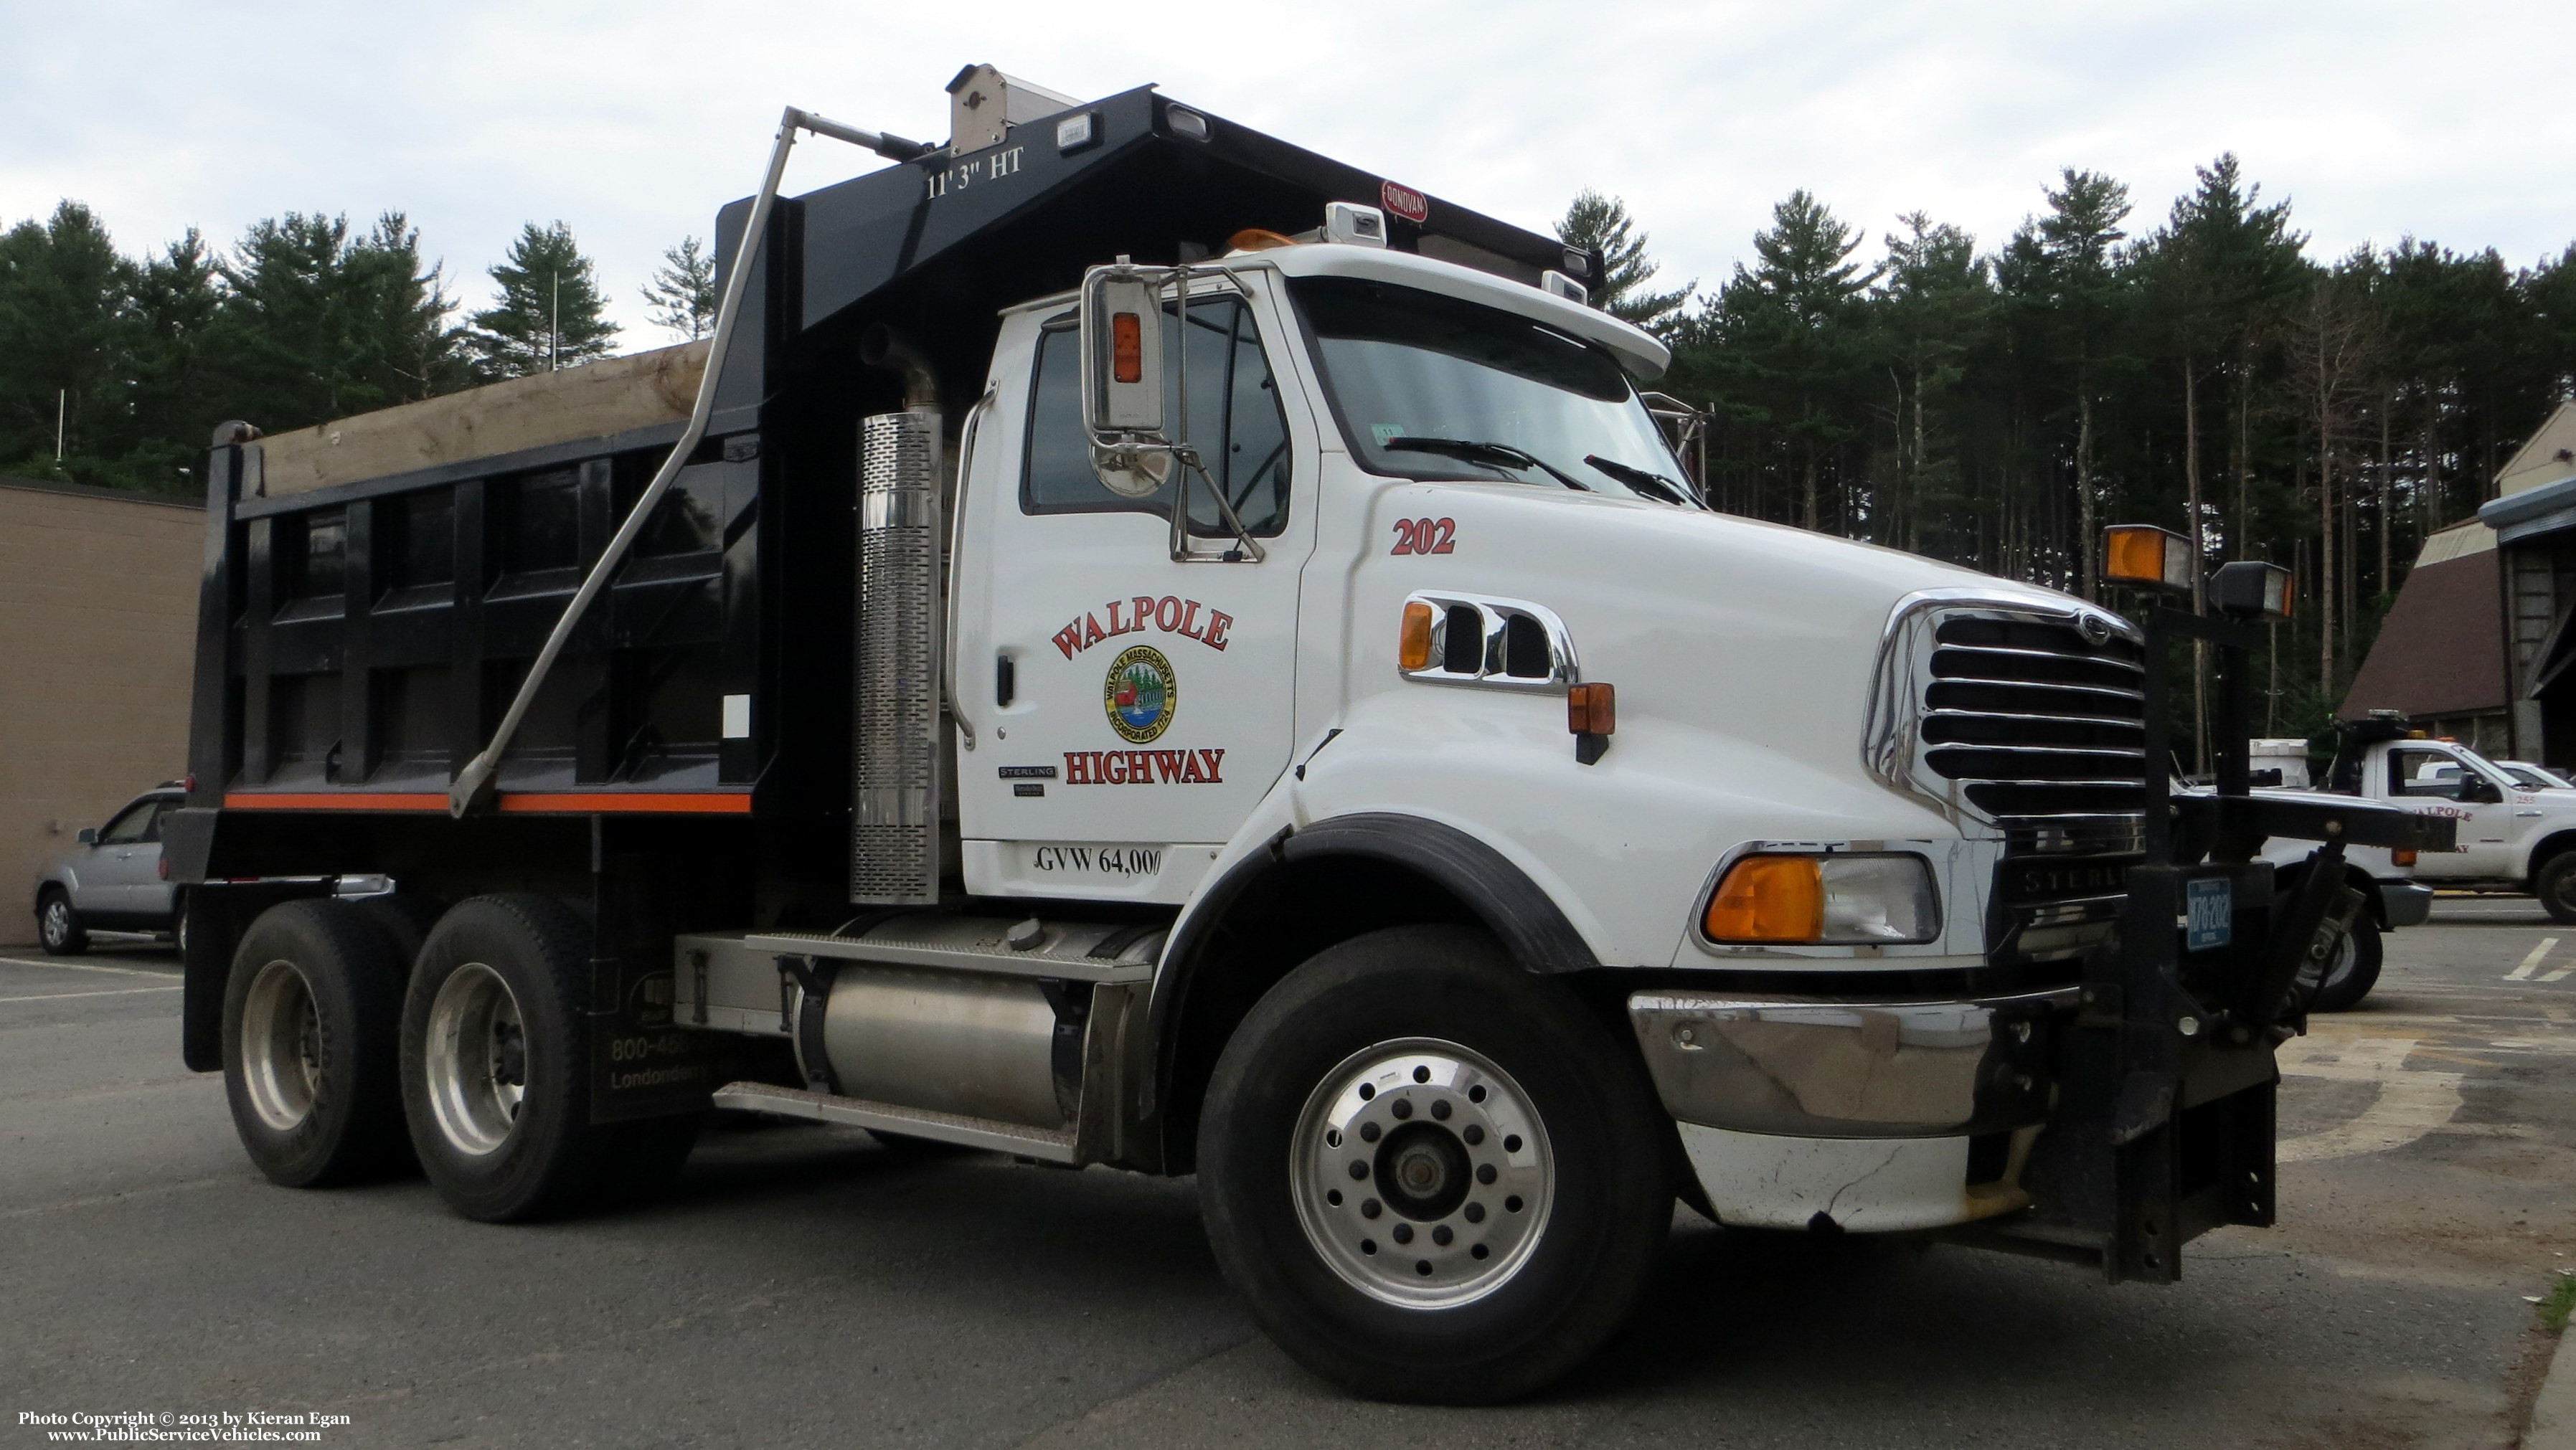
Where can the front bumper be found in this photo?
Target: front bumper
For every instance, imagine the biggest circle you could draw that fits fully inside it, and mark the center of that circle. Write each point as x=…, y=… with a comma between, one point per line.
x=2405, y=903
x=1866, y=1116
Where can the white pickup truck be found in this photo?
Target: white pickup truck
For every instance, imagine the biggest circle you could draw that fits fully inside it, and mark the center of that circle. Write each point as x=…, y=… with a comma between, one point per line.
x=2512, y=836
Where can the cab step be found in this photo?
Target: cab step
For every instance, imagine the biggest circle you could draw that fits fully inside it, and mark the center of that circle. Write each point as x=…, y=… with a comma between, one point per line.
x=1044, y=1144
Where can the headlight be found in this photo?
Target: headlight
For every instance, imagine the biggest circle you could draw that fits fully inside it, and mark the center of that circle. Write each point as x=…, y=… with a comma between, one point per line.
x=1824, y=900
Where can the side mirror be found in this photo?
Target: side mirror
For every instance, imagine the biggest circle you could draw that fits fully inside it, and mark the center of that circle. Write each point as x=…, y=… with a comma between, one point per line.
x=88, y=835
x=1122, y=378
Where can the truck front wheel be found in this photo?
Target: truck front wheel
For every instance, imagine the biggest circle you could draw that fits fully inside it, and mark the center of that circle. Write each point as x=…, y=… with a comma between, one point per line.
x=495, y=1061
x=1434, y=1177
x=2555, y=885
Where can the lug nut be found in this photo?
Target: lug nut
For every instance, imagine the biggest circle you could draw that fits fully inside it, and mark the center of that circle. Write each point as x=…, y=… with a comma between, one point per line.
x=1359, y=1169
x=1474, y=1135
x=1368, y=1132
x=1402, y=1109
x=1404, y=1233
x=1484, y=1173
x=1440, y=1109
x=1475, y=1213
x=1441, y=1235
x=1370, y=1208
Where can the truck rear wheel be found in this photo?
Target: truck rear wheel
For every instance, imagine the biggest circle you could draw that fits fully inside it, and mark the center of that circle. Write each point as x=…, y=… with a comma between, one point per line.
x=1433, y=1177
x=310, y=1012
x=496, y=1058
x=2353, y=969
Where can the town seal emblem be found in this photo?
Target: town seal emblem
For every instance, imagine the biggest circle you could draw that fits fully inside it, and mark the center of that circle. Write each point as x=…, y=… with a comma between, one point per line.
x=1140, y=694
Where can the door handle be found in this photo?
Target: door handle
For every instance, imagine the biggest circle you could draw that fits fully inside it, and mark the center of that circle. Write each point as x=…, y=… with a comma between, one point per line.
x=2526, y=813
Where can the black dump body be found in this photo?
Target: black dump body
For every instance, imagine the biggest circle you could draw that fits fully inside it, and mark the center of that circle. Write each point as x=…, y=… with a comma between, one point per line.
x=359, y=641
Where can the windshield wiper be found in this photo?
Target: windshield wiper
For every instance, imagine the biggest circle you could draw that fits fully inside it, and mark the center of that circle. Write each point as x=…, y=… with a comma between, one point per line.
x=1655, y=485
x=1491, y=455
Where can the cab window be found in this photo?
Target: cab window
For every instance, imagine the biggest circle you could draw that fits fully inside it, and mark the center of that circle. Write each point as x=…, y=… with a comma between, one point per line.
x=2435, y=773
x=1235, y=422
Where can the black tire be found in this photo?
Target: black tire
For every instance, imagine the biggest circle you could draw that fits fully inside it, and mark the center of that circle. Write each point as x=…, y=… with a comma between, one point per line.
x=2354, y=968
x=496, y=1067
x=311, y=1008
x=405, y=919
x=2555, y=884
x=58, y=927
x=1568, y=1275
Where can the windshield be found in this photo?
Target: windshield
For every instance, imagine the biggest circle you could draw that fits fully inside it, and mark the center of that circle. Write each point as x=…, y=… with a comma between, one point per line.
x=1399, y=362
x=2531, y=775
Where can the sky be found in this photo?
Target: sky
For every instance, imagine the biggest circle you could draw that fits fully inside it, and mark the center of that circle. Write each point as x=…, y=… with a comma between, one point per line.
x=633, y=120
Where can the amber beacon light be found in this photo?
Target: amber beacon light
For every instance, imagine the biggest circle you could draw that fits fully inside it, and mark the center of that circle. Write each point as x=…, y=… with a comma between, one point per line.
x=2146, y=556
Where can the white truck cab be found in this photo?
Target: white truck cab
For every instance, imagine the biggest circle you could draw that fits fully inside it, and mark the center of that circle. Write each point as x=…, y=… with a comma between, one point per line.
x=2513, y=835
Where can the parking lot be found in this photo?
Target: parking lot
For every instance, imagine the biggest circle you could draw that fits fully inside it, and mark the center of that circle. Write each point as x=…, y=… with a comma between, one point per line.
x=801, y=1286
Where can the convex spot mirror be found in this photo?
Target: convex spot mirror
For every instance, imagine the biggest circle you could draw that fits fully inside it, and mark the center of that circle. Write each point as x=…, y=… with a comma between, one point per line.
x=1122, y=378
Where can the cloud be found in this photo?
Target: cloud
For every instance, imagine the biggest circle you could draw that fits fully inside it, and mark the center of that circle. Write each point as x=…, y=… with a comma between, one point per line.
x=632, y=122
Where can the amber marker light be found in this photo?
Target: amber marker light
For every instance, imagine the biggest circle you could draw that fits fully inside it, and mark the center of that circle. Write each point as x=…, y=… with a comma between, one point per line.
x=2402, y=856
x=2147, y=556
x=1127, y=346
x=1413, y=645
x=1592, y=709
x=1769, y=899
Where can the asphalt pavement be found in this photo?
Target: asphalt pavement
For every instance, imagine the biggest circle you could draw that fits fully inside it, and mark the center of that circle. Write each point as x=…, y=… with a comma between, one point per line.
x=801, y=1286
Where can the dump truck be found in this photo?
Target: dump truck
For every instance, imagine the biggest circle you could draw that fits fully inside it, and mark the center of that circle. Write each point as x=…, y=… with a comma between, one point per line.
x=1141, y=647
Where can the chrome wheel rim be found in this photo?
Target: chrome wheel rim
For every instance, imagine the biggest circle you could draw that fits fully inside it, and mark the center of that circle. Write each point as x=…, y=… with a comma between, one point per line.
x=281, y=1046
x=2347, y=953
x=58, y=921
x=477, y=1059
x=1422, y=1173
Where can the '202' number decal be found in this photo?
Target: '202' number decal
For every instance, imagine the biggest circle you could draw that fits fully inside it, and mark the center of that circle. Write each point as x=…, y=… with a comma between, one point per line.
x=1425, y=536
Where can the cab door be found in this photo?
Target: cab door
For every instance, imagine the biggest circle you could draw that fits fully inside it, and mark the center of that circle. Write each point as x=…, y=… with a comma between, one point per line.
x=1128, y=710
x=2430, y=780
x=122, y=875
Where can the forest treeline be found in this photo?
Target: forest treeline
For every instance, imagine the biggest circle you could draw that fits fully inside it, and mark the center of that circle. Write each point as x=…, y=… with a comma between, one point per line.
x=1990, y=405
x=2203, y=370
x=114, y=370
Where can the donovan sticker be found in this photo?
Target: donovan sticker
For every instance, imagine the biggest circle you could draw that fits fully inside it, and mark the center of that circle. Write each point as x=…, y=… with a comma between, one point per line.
x=1140, y=694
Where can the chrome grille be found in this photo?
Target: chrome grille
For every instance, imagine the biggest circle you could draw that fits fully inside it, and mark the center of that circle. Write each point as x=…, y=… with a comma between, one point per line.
x=2035, y=720
x=2025, y=715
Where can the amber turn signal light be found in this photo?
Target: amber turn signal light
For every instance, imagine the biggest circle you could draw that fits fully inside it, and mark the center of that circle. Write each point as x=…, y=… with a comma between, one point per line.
x=1413, y=645
x=2144, y=555
x=1768, y=898
x=1592, y=709
x=2403, y=856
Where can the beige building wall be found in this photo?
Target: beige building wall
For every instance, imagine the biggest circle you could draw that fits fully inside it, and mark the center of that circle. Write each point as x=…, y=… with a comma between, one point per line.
x=98, y=626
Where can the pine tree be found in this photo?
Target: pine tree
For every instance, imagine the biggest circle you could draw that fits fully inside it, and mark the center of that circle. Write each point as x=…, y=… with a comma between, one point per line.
x=550, y=313
x=1602, y=222
x=683, y=293
x=1786, y=334
x=64, y=293
x=1932, y=304
x=2078, y=249
x=318, y=324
